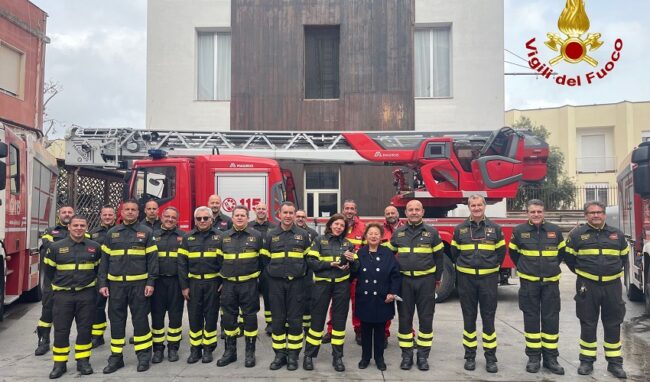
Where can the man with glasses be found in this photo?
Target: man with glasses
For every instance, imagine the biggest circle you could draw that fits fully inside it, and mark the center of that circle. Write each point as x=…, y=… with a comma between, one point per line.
x=199, y=272
x=597, y=253
x=301, y=221
x=537, y=249
x=478, y=249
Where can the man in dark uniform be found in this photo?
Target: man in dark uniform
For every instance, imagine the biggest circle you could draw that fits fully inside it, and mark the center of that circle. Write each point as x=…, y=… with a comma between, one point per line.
x=219, y=220
x=239, y=259
x=262, y=225
x=71, y=264
x=537, y=249
x=127, y=273
x=478, y=249
x=284, y=253
x=167, y=297
x=51, y=235
x=597, y=253
x=420, y=256
x=301, y=221
x=199, y=274
x=151, y=218
x=107, y=221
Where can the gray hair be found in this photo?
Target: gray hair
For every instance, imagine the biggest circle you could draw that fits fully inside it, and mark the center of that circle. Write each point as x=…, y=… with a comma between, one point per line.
x=535, y=202
x=202, y=209
x=174, y=209
x=476, y=196
x=593, y=203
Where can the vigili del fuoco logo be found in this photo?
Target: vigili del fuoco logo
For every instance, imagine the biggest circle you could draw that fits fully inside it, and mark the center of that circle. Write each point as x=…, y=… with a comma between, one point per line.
x=574, y=46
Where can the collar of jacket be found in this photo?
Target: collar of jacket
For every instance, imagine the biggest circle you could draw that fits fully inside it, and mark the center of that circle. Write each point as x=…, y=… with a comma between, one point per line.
x=416, y=226
x=212, y=230
x=542, y=225
x=603, y=228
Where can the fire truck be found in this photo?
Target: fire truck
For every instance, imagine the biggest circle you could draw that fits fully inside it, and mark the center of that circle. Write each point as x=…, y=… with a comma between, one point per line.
x=27, y=206
x=634, y=214
x=181, y=168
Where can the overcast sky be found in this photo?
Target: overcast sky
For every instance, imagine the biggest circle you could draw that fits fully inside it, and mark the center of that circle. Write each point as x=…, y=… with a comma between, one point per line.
x=98, y=55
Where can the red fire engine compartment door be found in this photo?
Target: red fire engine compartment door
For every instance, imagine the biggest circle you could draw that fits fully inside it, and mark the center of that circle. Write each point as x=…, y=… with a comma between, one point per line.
x=241, y=188
x=497, y=171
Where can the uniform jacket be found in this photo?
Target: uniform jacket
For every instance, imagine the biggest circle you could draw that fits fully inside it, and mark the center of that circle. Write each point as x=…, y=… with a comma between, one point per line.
x=168, y=243
x=326, y=249
x=262, y=228
x=377, y=276
x=239, y=254
x=355, y=232
x=129, y=253
x=419, y=250
x=284, y=252
x=98, y=234
x=199, y=256
x=478, y=248
x=222, y=222
x=597, y=254
x=310, y=232
x=52, y=235
x=71, y=265
x=537, y=251
x=155, y=225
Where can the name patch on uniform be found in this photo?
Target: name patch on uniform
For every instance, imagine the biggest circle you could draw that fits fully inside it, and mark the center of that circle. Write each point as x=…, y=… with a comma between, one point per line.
x=140, y=235
x=297, y=237
x=551, y=235
x=525, y=235
x=584, y=237
x=64, y=249
x=115, y=234
x=426, y=234
x=613, y=236
x=275, y=239
x=401, y=234
x=227, y=239
x=325, y=242
x=463, y=230
x=92, y=249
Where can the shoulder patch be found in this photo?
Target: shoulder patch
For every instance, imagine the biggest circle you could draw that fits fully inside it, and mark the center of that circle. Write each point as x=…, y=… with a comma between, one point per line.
x=92, y=249
x=140, y=235
x=115, y=234
x=275, y=239
x=401, y=234
x=585, y=236
x=297, y=237
x=227, y=239
x=613, y=236
x=426, y=234
x=463, y=230
x=525, y=235
x=551, y=235
x=95, y=235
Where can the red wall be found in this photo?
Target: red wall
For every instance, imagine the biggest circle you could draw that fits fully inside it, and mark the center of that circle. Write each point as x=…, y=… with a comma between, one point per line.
x=22, y=26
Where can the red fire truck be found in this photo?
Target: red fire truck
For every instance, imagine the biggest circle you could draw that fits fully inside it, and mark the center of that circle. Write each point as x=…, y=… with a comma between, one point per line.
x=27, y=206
x=182, y=169
x=634, y=214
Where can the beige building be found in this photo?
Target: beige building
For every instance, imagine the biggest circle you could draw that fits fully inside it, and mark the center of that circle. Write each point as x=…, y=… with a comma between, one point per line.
x=594, y=139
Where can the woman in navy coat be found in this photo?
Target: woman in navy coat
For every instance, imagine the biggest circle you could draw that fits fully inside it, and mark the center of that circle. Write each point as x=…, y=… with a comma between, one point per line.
x=378, y=283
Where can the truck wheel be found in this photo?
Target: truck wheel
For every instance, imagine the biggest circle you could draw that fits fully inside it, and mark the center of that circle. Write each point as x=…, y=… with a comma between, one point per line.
x=447, y=281
x=633, y=293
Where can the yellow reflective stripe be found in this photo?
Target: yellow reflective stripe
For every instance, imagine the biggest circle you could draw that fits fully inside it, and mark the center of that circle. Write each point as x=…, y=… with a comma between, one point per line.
x=44, y=324
x=72, y=267
x=405, y=336
x=336, y=280
x=83, y=354
x=613, y=353
x=550, y=337
x=588, y=251
x=513, y=246
x=561, y=245
x=168, y=254
x=243, y=255
x=277, y=255
x=534, y=252
x=465, y=247
x=439, y=247
x=314, y=253
x=404, y=344
x=549, y=345
x=65, y=267
x=60, y=350
x=489, y=345
x=423, y=250
x=570, y=251
x=488, y=247
x=143, y=276
x=499, y=244
x=182, y=251
x=611, y=252
x=591, y=353
x=47, y=237
x=533, y=335
x=244, y=278
x=296, y=337
x=250, y=334
x=313, y=341
x=151, y=248
x=143, y=346
x=60, y=358
x=265, y=252
x=598, y=278
x=195, y=255
x=136, y=252
x=389, y=246
x=612, y=346
x=489, y=337
x=454, y=243
x=420, y=273
x=588, y=344
x=87, y=266
x=49, y=262
x=59, y=288
x=206, y=276
x=87, y=346
x=425, y=335
x=468, y=334
x=470, y=344
x=356, y=241
x=625, y=251
x=473, y=271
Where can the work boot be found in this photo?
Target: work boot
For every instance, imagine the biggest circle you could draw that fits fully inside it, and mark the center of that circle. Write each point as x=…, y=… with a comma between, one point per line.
x=157, y=355
x=292, y=360
x=363, y=364
x=195, y=354
x=327, y=338
x=207, y=354
x=491, y=366
x=533, y=364
x=97, y=341
x=279, y=360
x=268, y=330
x=337, y=362
x=381, y=365
x=470, y=364
x=172, y=354
x=144, y=360
x=553, y=366
x=307, y=363
x=43, y=341
x=421, y=360
x=58, y=370
x=230, y=353
x=407, y=359
x=115, y=362
x=616, y=369
x=83, y=366
x=585, y=368
x=249, y=358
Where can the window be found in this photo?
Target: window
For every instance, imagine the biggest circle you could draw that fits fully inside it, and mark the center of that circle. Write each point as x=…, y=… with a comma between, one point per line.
x=322, y=192
x=322, y=62
x=157, y=183
x=11, y=75
x=595, y=152
x=432, y=62
x=213, y=66
x=645, y=136
x=597, y=191
x=14, y=170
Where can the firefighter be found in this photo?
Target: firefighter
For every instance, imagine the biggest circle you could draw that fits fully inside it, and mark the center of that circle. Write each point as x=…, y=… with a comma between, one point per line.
x=151, y=218
x=240, y=268
x=127, y=273
x=262, y=224
x=332, y=261
x=71, y=265
x=284, y=253
x=597, y=253
x=199, y=274
x=391, y=223
x=537, y=249
x=167, y=297
x=301, y=221
x=107, y=221
x=220, y=221
x=50, y=235
x=420, y=256
x=477, y=250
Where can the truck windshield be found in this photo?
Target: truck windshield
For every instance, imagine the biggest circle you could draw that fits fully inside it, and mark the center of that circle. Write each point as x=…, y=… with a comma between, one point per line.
x=157, y=183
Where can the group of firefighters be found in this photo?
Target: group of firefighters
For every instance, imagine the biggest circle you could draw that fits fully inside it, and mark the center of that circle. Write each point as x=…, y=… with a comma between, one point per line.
x=151, y=267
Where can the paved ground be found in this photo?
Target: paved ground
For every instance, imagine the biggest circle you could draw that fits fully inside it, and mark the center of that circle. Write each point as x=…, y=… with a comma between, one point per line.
x=18, y=363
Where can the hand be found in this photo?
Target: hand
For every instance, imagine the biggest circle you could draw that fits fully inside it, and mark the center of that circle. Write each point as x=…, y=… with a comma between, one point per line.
x=336, y=264
x=389, y=298
x=148, y=291
x=186, y=294
x=349, y=255
x=104, y=291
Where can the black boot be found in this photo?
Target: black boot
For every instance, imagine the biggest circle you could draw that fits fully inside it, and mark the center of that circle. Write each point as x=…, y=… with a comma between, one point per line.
x=115, y=362
x=491, y=366
x=158, y=354
x=43, y=340
x=337, y=362
x=552, y=365
x=58, y=370
x=207, y=354
x=307, y=363
x=144, y=360
x=533, y=364
x=421, y=358
x=195, y=354
x=98, y=341
x=407, y=359
x=279, y=360
x=381, y=365
x=470, y=364
x=292, y=360
x=249, y=359
x=172, y=352
x=585, y=368
x=616, y=369
x=230, y=353
x=83, y=366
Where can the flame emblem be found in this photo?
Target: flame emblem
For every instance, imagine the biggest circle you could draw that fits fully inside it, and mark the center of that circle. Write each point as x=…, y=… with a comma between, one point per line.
x=574, y=23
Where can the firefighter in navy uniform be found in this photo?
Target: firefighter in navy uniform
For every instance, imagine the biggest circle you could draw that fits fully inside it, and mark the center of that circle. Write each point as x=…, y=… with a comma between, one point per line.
x=597, y=253
x=107, y=221
x=127, y=273
x=199, y=275
x=477, y=250
x=239, y=259
x=332, y=261
x=537, y=249
x=50, y=235
x=167, y=297
x=420, y=256
x=301, y=221
x=151, y=218
x=284, y=253
x=219, y=220
x=71, y=264
x=262, y=224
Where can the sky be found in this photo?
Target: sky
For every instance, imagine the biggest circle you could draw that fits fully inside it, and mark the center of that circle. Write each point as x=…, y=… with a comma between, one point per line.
x=97, y=55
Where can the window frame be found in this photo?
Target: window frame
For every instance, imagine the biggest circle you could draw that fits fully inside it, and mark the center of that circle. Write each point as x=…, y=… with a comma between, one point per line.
x=430, y=27
x=14, y=179
x=213, y=32
x=20, y=91
x=317, y=191
x=329, y=28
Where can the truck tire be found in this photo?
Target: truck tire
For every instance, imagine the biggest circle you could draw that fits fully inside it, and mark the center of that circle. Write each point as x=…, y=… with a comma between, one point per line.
x=632, y=291
x=447, y=281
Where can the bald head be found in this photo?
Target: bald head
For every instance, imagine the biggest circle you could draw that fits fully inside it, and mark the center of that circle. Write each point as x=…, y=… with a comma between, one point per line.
x=214, y=202
x=414, y=211
x=391, y=215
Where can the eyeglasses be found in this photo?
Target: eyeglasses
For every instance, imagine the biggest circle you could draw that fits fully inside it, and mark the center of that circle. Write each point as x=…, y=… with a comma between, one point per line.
x=202, y=218
x=595, y=213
